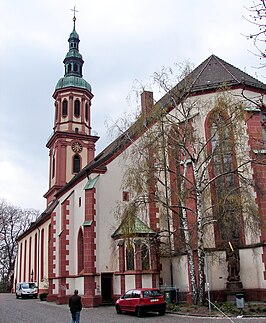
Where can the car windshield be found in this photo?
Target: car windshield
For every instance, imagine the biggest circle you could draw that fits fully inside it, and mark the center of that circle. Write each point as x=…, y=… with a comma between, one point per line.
x=28, y=285
x=151, y=293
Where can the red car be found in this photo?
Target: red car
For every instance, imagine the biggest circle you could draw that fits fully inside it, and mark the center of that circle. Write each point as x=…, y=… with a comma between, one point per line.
x=141, y=300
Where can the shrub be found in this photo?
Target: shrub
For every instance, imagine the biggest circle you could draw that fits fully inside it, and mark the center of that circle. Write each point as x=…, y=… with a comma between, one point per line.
x=43, y=296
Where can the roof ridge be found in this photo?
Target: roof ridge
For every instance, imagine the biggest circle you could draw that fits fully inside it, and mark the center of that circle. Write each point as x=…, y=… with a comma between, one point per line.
x=222, y=63
x=202, y=70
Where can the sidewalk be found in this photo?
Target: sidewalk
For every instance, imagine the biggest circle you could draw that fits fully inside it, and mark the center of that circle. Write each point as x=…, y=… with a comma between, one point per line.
x=226, y=309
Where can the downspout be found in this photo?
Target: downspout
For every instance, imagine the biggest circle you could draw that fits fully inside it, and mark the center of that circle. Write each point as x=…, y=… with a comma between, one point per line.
x=167, y=208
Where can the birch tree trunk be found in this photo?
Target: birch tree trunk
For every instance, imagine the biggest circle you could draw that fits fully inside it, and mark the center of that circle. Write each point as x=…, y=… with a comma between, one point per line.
x=201, y=254
x=189, y=250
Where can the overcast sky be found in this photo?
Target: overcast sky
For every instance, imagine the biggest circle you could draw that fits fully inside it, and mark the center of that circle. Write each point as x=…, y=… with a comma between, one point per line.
x=121, y=41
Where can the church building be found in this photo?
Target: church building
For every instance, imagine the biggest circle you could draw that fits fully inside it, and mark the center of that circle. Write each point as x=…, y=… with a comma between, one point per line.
x=80, y=242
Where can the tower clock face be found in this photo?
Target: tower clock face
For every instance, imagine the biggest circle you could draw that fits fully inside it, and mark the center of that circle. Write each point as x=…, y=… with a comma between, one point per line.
x=76, y=147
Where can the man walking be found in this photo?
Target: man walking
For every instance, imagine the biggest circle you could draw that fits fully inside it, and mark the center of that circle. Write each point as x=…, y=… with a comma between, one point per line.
x=75, y=306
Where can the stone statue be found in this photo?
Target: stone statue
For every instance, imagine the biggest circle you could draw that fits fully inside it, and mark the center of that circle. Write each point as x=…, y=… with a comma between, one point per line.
x=232, y=257
x=234, y=284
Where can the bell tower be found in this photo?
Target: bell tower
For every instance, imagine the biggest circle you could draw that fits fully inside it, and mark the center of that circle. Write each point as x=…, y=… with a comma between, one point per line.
x=71, y=145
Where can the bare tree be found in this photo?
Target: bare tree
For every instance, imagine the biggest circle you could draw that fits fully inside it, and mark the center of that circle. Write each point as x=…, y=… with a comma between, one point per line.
x=13, y=222
x=197, y=180
x=257, y=15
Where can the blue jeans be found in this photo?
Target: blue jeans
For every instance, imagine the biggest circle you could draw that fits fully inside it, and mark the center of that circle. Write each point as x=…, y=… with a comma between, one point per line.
x=75, y=317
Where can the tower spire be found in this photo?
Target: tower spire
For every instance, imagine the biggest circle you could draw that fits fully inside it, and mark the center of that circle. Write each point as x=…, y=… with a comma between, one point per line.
x=73, y=60
x=71, y=145
x=74, y=18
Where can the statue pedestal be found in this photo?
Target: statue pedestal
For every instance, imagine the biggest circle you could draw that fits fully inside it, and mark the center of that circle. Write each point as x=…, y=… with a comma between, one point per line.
x=233, y=288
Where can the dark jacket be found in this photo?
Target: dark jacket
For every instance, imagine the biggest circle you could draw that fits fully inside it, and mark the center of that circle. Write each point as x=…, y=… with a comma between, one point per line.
x=75, y=304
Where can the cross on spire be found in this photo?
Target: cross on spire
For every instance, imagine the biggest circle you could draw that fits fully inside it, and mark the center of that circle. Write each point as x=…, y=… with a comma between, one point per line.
x=74, y=18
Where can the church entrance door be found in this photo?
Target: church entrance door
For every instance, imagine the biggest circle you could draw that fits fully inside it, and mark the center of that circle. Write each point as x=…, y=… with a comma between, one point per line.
x=107, y=287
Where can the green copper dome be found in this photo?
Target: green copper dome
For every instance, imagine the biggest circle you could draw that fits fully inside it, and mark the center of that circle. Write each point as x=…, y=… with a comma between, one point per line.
x=73, y=53
x=73, y=65
x=73, y=81
x=74, y=34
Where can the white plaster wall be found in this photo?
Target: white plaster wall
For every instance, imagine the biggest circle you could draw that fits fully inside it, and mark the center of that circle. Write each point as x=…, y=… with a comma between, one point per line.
x=79, y=285
x=165, y=272
x=72, y=246
x=30, y=266
x=75, y=283
x=180, y=273
x=252, y=268
x=71, y=286
x=129, y=282
x=56, y=286
x=98, y=285
x=108, y=192
x=217, y=270
x=44, y=283
x=146, y=281
x=117, y=284
x=57, y=232
x=76, y=220
x=78, y=216
x=16, y=277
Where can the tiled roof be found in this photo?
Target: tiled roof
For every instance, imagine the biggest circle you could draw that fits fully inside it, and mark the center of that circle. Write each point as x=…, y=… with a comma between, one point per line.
x=214, y=73
x=45, y=214
x=136, y=228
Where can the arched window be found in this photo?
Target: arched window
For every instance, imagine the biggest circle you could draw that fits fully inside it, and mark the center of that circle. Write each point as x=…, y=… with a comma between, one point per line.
x=86, y=111
x=64, y=108
x=225, y=187
x=29, y=262
x=56, y=111
x=42, y=255
x=69, y=67
x=76, y=164
x=80, y=251
x=35, y=256
x=53, y=166
x=25, y=259
x=130, y=258
x=75, y=67
x=77, y=108
x=49, y=232
x=145, y=257
x=20, y=263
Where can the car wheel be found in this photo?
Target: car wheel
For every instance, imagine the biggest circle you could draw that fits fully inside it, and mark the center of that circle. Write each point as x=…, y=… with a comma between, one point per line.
x=17, y=296
x=35, y=296
x=118, y=310
x=162, y=312
x=138, y=312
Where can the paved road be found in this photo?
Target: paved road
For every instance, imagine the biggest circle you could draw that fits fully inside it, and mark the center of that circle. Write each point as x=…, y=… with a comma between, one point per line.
x=14, y=310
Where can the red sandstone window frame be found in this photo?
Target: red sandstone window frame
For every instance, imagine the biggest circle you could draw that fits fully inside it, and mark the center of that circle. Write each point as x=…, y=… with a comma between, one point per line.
x=64, y=108
x=76, y=164
x=77, y=108
x=145, y=257
x=80, y=251
x=220, y=242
